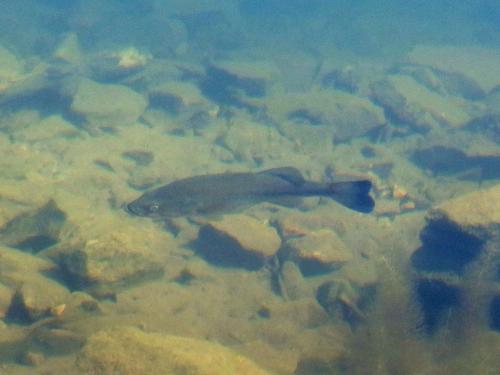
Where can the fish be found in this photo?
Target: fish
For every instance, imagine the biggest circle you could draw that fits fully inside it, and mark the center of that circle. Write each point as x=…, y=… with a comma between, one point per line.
x=447, y=161
x=214, y=194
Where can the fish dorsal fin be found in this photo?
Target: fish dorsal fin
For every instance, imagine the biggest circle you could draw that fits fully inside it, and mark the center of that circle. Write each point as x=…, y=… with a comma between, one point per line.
x=289, y=174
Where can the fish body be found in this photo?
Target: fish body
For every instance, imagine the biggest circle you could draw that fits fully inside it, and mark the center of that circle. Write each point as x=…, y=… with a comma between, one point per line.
x=229, y=192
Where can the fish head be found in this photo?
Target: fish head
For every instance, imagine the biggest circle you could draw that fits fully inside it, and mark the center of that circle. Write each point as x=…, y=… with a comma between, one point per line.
x=145, y=206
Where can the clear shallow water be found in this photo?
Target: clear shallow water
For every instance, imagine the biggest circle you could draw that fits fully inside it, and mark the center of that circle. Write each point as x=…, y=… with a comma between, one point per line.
x=101, y=102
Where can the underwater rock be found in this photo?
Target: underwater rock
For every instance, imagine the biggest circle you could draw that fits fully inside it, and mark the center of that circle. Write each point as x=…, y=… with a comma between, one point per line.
x=36, y=299
x=476, y=213
x=234, y=84
x=139, y=157
x=69, y=50
x=409, y=103
x=479, y=63
x=36, y=230
x=11, y=69
x=6, y=295
x=109, y=251
x=448, y=161
x=91, y=102
x=58, y=341
x=341, y=115
x=51, y=128
x=191, y=109
x=493, y=101
x=462, y=237
x=487, y=121
x=303, y=312
x=238, y=241
x=254, y=143
x=32, y=359
x=175, y=97
x=129, y=351
x=344, y=79
x=291, y=282
x=261, y=73
x=35, y=294
x=131, y=58
x=440, y=81
x=318, y=252
x=341, y=300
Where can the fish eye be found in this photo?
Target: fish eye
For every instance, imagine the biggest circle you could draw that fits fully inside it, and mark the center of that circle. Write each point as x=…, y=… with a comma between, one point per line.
x=154, y=207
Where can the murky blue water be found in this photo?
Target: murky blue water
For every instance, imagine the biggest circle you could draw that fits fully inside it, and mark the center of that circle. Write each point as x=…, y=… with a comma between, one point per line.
x=103, y=101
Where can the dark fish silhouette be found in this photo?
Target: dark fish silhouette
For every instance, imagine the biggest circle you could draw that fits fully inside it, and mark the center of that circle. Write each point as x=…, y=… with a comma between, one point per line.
x=228, y=192
x=448, y=161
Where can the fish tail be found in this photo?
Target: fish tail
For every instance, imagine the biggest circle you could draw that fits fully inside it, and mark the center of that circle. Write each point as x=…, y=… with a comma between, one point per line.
x=353, y=194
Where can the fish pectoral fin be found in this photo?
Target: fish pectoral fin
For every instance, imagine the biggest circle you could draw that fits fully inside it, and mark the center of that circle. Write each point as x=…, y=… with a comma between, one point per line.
x=289, y=174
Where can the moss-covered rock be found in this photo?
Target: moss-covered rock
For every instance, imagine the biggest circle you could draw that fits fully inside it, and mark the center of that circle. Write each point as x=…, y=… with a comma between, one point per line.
x=131, y=351
x=111, y=250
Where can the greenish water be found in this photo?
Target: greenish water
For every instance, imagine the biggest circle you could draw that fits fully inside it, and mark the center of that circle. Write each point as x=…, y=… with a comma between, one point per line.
x=101, y=102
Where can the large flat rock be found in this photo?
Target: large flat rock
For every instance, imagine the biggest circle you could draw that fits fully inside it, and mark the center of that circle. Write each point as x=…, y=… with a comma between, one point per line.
x=106, y=250
x=238, y=240
x=343, y=116
x=477, y=212
x=129, y=351
x=107, y=105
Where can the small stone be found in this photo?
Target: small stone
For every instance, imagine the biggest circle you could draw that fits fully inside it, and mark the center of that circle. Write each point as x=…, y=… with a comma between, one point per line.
x=58, y=310
x=408, y=206
x=399, y=192
x=129, y=58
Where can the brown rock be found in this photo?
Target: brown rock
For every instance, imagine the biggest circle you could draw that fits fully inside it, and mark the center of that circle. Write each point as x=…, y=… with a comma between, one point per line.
x=239, y=240
x=477, y=213
x=319, y=251
x=112, y=250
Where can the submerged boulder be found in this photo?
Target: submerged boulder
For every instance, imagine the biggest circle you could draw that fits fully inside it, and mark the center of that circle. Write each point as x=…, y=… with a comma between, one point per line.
x=342, y=116
x=318, y=252
x=460, y=243
x=131, y=351
x=238, y=241
x=412, y=104
x=34, y=230
x=476, y=213
x=33, y=295
x=108, y=251
x=106, y=105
